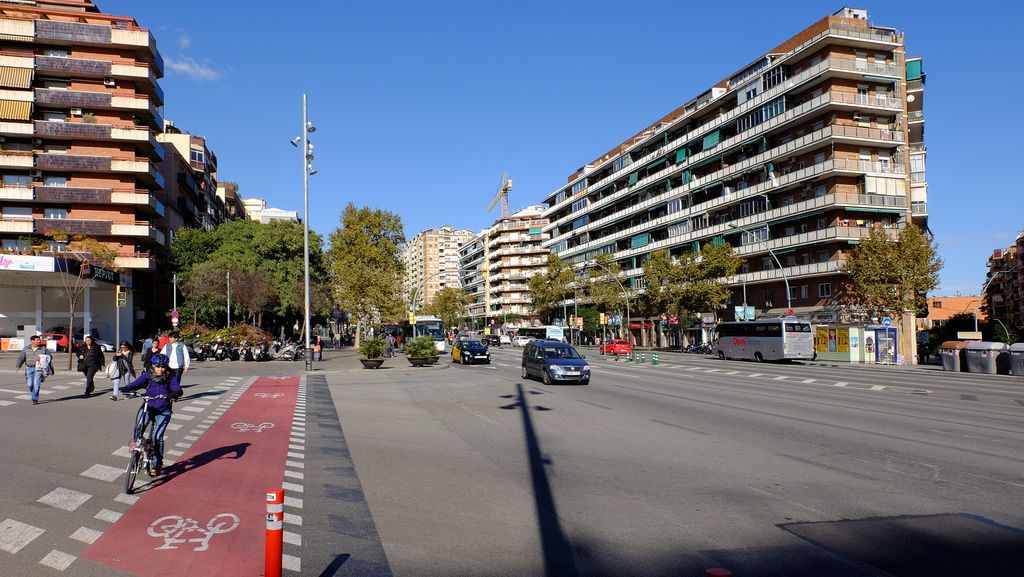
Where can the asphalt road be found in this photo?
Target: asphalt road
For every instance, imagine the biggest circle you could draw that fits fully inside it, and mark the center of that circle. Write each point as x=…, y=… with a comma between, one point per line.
x=764, y=469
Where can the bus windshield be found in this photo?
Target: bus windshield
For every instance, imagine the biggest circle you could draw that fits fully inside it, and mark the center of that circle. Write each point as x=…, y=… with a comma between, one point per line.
x=432, y=328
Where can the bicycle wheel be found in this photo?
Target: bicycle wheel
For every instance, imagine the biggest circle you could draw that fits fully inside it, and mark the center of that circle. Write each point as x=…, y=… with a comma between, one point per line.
x=131, y=472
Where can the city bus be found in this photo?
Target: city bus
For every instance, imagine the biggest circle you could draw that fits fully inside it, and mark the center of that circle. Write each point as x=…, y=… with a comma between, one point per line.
x=765, y=340
x=545, y=333
x=426, y=325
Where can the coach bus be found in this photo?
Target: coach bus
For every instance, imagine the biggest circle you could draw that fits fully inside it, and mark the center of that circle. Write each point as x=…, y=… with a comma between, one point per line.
x=426, y=325
x=765, y=340
x=545, y=333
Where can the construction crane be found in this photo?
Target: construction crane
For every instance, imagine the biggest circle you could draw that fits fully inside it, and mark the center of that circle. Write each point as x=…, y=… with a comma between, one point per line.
x=503, y=188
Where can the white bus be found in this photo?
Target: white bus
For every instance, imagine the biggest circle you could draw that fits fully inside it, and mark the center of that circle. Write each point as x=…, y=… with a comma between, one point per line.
x=427, y=325
x=546, y=333
x=765, y=340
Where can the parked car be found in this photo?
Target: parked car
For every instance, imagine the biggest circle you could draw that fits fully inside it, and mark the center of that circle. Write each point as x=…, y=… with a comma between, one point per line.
x=521, y=340
x=554, y=361
x=468, y=351
x=616, y=347
x=505, y=340
x=60, y=338
x=491, y=340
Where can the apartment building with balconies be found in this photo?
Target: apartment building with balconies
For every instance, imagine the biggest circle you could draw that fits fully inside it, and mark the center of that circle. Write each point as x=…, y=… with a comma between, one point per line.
x=800, y=152
x=80, y=106
x=431, y=263
x=1003, y=292
x=496, y=266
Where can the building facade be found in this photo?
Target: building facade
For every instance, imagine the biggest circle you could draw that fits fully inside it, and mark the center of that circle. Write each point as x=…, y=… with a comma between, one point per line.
x=431, y=263
x=1004, y=285
x=257, y=209
x=80, y=107
x=496, y=266
x=795, y=156
x=941, y=309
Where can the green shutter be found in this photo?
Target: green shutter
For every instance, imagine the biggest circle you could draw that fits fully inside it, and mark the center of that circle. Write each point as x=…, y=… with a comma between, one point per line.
x=632, y=178
x=681, y=154
x=718, y=241
x=639, y=240
x=711, y=140
x=686, y=177
x=913, y=69
x=535, y=230
x=769, y=168
x=668, y=182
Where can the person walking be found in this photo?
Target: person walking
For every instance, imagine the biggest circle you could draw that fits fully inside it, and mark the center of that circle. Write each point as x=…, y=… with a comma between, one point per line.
x=178, y=355
x=92, y=359
x=28, y=358
x=147, y=354
x=123, y=357
x=390, y=339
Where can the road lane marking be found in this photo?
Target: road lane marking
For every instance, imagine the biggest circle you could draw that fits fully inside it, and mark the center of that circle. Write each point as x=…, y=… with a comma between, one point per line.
x=108, y=516
x=809, y=381
x=756, y=374
x=103, y=473
x=58, y=560
x=840, y=384
x=65, y=499
x=14, y=535
x=877, y=387
x=733, y=373
x=780, y=378
x=86, y=535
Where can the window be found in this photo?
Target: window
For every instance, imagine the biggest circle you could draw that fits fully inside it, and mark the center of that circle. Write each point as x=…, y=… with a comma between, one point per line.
x=580, y=204
x=55, y=181
x=55, y=116
x=621, y=162
x=15, y=146
x=823, y=256
x=824, y=290
x=55, y=148
x=937, y=304
x=60, y=213
x=794, y=293
x=804, y=293
x=673, y=206
x=17, y=181
x=822, y=223
x=56, y=52
x=769, y=296
x=12, y=244
x=579, y=186
x=17, y=212
x=774, y=77
x=196, y=155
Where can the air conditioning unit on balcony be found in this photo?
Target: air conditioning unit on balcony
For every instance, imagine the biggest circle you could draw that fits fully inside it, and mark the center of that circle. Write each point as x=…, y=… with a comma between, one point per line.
x=37, y=174
x=37, y=141
x=808, y=186
x=108, y=82
x=857, y=116
x=76, y=112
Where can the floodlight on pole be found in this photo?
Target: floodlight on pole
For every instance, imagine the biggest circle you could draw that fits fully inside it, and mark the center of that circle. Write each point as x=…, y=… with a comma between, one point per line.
x=785, y=279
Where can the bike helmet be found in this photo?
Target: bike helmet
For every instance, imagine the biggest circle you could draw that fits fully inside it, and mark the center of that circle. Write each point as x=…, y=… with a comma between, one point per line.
x=160, y=360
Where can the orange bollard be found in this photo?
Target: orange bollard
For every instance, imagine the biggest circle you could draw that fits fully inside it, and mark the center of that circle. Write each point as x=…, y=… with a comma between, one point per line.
x=717, y=572
x=275, y=532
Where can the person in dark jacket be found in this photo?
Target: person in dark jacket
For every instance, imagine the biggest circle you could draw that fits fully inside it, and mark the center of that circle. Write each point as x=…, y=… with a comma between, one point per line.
x=125, y=369
x=147, y=354
x=163, y=387
x=92, y=359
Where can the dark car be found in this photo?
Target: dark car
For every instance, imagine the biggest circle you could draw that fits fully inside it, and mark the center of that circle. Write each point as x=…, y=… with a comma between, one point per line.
x=555, y=361
x=491, y=340
x=467, y=351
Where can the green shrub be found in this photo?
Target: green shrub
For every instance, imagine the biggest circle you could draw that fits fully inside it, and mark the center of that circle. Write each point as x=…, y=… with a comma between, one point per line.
x=373, y=348
x=421, y=347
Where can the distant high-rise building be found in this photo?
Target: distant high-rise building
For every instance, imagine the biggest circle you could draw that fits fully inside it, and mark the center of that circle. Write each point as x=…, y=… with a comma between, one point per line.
x=1004, y=285
x=431, y=262
x=496, y=265
x=794, y=157
x=257, y=209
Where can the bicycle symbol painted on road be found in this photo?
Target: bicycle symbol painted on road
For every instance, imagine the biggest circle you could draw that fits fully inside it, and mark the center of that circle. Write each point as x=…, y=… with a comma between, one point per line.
x=269, y=395
x=256, y=428
x=176, y=530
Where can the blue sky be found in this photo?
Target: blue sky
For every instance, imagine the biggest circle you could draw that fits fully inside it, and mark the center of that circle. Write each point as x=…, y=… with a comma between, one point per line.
x=420, y=106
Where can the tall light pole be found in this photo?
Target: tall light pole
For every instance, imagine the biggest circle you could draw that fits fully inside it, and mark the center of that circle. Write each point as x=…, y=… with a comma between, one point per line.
x=785, y=279
x=625, y=295
x=307, y=171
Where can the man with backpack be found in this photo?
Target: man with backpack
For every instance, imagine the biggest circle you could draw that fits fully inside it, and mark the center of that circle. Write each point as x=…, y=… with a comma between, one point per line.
x=178, y=355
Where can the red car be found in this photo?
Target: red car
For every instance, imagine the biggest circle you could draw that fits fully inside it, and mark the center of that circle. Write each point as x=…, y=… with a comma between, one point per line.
x=616, y=347
x=62, y=340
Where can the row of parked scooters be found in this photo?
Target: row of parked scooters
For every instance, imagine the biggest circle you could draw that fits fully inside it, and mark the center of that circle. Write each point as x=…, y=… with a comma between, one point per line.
x=222, y=350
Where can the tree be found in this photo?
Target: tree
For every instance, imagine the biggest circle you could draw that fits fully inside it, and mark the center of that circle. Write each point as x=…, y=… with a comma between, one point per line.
x=551, y=287
x=692, y=284
x=449, y=305
x=205, y=287
x=889, y=274
x=367, y=264
x=253, y=292
x=86, y=253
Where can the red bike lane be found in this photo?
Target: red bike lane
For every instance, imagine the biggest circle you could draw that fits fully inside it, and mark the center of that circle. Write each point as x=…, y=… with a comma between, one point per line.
x=207, y=516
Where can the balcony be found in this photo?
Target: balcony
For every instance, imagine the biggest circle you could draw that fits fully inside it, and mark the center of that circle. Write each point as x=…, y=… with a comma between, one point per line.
x=15, y=159
x=73, y=162
x=140, y=199
x=918, y=178
x=16, y=225
x=915, y=85
x=139, y=229
x=142, y=136
x=16, y=128
x=61, y=98
x=73, y=226
x=142, y=168
x=915, y=116
x=144, y=108
x=919, y=208
x=136, y=261
x=16, y=193
x=80, y=67
x=72, y=130
x=140, y=72
x=792, y=272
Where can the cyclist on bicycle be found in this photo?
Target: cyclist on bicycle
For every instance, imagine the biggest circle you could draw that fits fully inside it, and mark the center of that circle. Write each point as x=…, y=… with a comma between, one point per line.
x=162, y=387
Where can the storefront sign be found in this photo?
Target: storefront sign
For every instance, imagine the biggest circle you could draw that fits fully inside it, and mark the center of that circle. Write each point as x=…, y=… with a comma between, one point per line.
x=18, y=262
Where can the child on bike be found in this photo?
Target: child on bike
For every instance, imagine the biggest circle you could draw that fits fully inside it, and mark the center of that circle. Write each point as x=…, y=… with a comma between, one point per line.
x=162, y=386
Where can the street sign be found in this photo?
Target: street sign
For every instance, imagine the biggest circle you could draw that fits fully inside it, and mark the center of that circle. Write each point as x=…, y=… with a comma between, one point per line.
x=174, y=314
x=886, y=322
x=174, y=321
x=790, y=312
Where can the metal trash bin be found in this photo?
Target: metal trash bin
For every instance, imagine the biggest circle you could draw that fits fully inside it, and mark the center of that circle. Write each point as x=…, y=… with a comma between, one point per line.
x=988, y=358
x=952, y=355
x=1017, y=359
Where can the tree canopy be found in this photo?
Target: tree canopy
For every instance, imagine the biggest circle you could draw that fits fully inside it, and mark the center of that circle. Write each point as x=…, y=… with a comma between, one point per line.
x=367, y=265
x=890, y=274
x=449, y=305
x=551, y=287
x=692, y=284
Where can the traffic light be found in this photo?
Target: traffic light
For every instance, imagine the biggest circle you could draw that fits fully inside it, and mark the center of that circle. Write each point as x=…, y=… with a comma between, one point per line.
x=122, y=296
x=603, y=320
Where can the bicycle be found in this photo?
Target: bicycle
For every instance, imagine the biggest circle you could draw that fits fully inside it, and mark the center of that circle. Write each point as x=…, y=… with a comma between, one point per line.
x=143, y=451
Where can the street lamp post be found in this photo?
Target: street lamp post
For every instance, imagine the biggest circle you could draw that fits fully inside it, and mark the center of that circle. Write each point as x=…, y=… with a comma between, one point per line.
x=785, y=279
x=307, y=171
